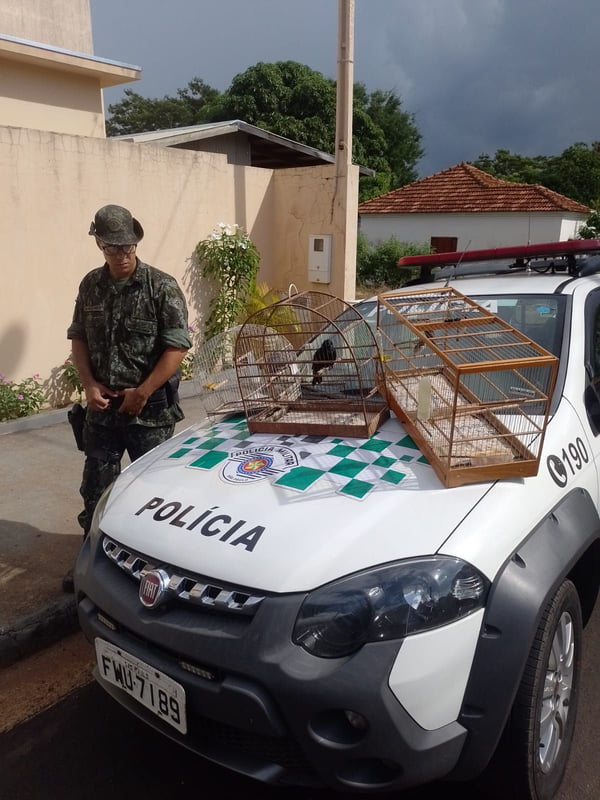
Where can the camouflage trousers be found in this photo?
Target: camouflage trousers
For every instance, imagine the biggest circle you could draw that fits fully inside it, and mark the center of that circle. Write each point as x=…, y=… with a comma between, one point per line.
x=104, y=449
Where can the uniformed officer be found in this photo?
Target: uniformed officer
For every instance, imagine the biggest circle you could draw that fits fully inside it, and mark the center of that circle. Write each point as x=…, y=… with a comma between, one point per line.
x=129, y=335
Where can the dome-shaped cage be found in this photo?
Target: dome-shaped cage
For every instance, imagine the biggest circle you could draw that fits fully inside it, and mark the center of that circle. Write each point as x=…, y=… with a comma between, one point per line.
x=215, y=376
x=310, y=364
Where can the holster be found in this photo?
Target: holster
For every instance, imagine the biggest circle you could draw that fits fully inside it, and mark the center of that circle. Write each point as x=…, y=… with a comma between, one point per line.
x=76, y=417
x=166, y=395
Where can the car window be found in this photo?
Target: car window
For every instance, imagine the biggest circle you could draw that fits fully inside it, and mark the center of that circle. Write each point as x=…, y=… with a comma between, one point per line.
x=539, y=317
x=368, y=310
x=595, y=350
x=592, y=329
x=592, y=360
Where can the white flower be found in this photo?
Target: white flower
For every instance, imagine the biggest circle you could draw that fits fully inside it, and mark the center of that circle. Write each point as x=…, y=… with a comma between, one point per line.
x=230, y=237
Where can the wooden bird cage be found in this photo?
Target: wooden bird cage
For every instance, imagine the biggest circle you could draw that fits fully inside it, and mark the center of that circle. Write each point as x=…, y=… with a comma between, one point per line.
x=310, y=364
x=472, y=391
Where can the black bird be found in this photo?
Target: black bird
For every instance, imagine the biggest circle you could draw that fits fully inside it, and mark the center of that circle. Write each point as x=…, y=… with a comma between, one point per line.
x=324, y=358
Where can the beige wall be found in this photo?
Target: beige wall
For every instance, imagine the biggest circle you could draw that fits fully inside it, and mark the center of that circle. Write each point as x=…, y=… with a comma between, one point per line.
x=52, y=184
x=49, y=78
x=305, y=204
x=38, y=97
x=62, y=23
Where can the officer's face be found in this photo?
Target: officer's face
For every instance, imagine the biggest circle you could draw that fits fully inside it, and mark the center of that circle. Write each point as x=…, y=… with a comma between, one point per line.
x=121, y=259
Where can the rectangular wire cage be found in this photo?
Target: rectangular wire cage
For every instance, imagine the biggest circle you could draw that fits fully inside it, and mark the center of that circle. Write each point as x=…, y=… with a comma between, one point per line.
x=310, y=364
x=472, y=391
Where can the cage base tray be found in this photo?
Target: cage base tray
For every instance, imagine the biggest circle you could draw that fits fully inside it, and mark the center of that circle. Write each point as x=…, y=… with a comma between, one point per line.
x=325, y=420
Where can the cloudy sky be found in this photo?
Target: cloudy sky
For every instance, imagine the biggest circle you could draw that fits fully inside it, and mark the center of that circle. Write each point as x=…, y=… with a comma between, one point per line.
x=478, y=75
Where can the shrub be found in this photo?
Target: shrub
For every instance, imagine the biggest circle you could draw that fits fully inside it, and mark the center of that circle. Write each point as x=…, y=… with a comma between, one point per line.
x=377, y=265
x=186, y=368
x=591, y=229
x=20, y=399
x=69, y=372
x=231, y=259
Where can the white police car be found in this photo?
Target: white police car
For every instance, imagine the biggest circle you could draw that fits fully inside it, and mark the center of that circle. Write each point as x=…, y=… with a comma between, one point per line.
x=300, y=635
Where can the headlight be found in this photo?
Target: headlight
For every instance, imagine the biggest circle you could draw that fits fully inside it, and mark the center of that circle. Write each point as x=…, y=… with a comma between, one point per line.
x=388, y=602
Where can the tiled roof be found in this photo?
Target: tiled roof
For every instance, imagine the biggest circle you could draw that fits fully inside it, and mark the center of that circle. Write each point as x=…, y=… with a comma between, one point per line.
x=465, y=188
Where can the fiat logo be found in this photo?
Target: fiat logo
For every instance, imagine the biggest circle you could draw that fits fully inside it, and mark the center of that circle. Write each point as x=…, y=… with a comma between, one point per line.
x=153, y=588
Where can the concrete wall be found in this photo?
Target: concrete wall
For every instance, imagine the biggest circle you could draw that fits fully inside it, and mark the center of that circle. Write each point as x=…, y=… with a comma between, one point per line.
x=62, y=23
x=53, y=184
x=49, y=78
x=305, y=204
x=474, y=231
x=35, y=96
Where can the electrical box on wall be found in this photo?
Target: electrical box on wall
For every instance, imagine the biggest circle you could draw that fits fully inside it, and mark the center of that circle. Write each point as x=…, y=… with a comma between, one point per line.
x=319, y=258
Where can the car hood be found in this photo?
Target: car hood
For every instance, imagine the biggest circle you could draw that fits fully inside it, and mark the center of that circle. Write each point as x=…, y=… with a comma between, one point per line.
x=283, y=513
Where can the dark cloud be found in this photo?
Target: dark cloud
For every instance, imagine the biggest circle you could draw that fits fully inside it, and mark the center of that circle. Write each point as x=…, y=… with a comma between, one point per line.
x=479, y=75
x=490, y=74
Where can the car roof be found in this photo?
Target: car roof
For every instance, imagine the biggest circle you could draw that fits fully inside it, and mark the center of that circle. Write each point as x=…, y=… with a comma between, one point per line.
x=516, y=282
x=512, y=282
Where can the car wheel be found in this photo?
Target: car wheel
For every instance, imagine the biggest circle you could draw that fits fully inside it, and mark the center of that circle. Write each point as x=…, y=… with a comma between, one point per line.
x=532, y=757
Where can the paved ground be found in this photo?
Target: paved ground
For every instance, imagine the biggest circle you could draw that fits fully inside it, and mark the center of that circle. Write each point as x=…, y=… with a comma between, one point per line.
x=40, y=472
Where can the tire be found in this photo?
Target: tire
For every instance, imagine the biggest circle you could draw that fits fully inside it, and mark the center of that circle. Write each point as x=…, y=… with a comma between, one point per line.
x=532, y=756
x=545, y=268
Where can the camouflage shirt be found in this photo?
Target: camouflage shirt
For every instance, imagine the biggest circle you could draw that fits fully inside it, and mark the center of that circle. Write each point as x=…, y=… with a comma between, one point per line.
x=127, y=327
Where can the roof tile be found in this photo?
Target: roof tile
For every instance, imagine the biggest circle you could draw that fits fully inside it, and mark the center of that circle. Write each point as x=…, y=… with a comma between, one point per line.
x=464, y=188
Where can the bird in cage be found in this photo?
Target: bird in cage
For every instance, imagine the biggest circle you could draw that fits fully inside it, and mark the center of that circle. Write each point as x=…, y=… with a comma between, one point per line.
x=323, y=359
x=420, y=343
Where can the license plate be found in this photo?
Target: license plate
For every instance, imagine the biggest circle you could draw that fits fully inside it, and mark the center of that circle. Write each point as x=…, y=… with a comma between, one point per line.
x=153, y=689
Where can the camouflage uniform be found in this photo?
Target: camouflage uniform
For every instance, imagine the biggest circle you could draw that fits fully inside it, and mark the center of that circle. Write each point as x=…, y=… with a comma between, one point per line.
x=126, y=327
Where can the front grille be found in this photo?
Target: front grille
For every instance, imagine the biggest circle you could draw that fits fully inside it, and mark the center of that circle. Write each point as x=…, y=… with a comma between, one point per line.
x=209, y=734
x=187, y=588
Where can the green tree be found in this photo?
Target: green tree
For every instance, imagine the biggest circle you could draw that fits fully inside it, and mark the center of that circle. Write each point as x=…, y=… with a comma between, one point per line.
x=286, y=98
x=395, y=153
x=509, y=166
x=135, y=114
x=575, y=173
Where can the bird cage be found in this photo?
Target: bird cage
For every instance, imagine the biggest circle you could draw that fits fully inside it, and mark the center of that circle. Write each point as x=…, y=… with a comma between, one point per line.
x=310, y=364
x=215, y=376
x=472, y=391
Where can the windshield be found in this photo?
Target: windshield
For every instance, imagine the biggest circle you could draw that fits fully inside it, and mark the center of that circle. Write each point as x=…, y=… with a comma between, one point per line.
x=540, y=317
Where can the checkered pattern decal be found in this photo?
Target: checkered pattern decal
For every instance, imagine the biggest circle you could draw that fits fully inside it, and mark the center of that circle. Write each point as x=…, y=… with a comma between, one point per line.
x=352, y=467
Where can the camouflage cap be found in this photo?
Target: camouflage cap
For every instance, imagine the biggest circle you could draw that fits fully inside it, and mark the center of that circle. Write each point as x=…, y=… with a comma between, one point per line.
x=115, y=225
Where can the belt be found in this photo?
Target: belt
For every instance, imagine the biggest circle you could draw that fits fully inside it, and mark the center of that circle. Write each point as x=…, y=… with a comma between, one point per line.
x=158, y=399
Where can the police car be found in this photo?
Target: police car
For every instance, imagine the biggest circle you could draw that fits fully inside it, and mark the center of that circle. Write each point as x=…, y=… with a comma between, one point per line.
x=303, y=636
